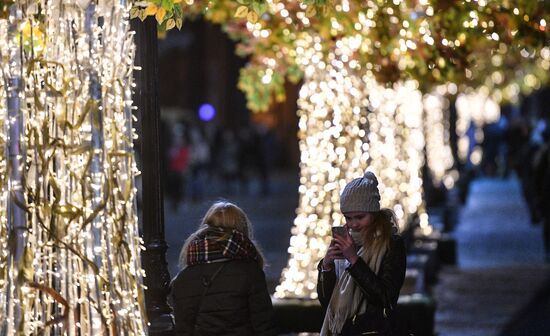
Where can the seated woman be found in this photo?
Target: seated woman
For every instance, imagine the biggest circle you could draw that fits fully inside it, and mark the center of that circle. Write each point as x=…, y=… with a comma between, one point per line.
x=221, y=289
x=363, y=270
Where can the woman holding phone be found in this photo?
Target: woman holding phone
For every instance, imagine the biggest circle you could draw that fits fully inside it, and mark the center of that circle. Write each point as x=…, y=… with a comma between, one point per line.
x=364, y=267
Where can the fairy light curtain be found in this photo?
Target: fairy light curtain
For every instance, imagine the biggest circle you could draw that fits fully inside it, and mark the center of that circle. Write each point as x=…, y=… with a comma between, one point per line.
x=69, y=244
x=439, y=157
x=348, y=122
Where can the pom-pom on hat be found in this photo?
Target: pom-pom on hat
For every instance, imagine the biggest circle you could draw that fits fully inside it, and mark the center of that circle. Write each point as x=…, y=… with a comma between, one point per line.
x=361, y=194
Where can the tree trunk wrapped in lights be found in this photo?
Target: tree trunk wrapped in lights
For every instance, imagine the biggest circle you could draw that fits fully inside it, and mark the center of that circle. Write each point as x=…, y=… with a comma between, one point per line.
x=349, y=123
x=436, y=131
x=70, y=250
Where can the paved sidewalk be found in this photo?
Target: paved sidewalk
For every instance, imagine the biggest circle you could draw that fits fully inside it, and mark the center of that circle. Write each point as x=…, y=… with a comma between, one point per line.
x=500, y=268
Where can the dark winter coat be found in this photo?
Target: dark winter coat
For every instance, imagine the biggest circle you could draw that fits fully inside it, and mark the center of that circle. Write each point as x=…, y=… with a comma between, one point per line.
x=236, y=303
x=381, y=290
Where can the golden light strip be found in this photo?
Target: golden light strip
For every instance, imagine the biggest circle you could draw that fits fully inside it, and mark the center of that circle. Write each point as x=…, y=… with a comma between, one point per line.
x=348, y=123
x=78, y=272
x=438, y=151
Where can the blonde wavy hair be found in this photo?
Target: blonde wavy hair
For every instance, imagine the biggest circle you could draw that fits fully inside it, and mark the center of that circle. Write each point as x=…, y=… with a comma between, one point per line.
x=227, y=215
x=378, y=236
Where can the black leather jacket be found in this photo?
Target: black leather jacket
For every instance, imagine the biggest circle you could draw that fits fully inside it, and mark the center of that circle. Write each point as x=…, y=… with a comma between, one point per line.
x=381, y=290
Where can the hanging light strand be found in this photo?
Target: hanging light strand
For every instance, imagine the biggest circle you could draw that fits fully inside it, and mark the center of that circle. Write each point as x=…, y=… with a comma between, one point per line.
x=79, y=272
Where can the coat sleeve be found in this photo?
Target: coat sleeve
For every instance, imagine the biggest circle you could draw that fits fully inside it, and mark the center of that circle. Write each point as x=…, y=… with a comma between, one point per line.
x=260, y=305
x=325, y=284
x=184, y=312
x=383, y=289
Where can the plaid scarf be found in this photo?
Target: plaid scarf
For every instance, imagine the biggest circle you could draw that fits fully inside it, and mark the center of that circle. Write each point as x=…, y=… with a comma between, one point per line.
x=217, y=244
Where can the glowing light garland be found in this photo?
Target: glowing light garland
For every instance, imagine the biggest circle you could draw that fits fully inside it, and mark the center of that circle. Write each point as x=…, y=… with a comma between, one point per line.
x=438, y=150
x=348, y=122
x=70, y=250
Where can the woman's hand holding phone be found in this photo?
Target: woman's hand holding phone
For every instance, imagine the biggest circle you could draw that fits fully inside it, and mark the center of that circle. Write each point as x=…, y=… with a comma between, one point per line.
x=339, y=231
x=333, y=251
x=344, y=245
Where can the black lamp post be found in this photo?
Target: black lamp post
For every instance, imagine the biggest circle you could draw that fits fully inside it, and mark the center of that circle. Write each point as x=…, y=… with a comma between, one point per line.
x=146, y=96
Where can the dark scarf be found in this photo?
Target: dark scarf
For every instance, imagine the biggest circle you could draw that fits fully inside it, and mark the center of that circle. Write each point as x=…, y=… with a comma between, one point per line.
x=217, y=244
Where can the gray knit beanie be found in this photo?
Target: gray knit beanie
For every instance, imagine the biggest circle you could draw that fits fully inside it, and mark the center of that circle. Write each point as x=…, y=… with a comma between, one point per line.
x=361, y=194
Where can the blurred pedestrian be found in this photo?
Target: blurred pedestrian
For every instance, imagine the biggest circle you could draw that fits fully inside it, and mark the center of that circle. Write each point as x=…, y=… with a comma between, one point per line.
x=254, y=141
x=178, y=164
x=221, y=289
x=228, y=159
x=492, y=140
x=363, y=270
x=199, y=162
x=531, y=171
x=541, y=181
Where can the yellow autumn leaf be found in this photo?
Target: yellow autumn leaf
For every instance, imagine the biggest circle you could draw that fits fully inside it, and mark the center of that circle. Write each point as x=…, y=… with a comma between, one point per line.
x=252, y=17
x=241, y=12
x=171, y=23
x=161, y=13
x=177, y=1
x=142, y=15
x=27, y=269
x=151, y=9
x=179, y=23
x=310, y=11
x=134, y=12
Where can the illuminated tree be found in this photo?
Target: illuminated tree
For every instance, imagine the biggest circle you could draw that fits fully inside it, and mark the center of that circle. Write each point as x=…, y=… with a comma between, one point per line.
x=70, y=256
x=349, y=122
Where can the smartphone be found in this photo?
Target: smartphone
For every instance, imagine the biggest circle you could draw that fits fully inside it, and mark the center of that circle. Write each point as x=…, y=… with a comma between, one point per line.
x=339, y=230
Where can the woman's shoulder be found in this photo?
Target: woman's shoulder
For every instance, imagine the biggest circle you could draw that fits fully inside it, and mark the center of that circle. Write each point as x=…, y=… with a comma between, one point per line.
x=396, y=237
x=246, y=265
x=231, y=265
x=397, y=241
x=194, y=270
x=233, y=271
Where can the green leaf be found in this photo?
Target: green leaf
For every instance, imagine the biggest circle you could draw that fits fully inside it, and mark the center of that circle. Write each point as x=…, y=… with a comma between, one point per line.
x=142, y=15
x=134, y=12
x=259, y=7
x=167, y=4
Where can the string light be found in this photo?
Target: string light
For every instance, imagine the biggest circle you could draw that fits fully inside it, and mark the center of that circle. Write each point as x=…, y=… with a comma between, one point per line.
x=438, y=150
x=69, y=245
